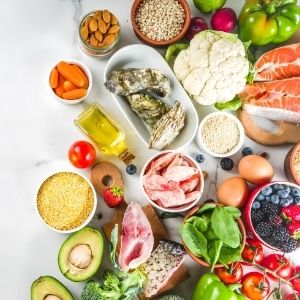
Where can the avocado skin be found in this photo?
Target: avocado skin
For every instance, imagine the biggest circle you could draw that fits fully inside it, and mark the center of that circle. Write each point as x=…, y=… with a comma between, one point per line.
x=46, y=285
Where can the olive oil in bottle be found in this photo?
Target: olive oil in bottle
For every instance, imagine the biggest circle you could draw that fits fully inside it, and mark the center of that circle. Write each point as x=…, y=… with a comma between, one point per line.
x=104, y=132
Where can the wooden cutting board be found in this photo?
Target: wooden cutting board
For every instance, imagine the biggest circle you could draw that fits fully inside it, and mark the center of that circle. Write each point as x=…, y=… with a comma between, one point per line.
x=100, y=180
x=287, y=133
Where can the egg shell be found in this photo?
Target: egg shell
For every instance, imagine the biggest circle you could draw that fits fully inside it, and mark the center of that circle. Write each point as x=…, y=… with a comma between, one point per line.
x=233, y=192
x=256, y=169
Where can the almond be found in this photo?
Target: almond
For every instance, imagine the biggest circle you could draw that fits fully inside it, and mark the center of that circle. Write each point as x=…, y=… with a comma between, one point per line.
x=87, y=21
x=113, y=20
x=114, y=29
x=93, y=25
x=107, y=26
x=98, y=15
x=109, y=39
x=84, y=31
x=93, y=41
x=106, y=16
x=100, y=45
x=102, y=26
x=98, y=36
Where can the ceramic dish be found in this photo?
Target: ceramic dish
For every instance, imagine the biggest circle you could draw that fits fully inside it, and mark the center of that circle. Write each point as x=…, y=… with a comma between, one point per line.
x=292, y=164
x=141, y=56
x=145, y=39
x=199, y=187
x=89, y=77
x=203, y=146
x=89, y=217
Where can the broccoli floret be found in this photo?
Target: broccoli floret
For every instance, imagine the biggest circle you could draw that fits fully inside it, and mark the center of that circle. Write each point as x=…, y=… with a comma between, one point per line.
x=111, y=281
x=94, y=291
x=132, y=280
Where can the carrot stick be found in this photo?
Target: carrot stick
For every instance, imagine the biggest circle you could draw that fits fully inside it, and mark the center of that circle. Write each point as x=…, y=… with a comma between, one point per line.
x=53, y=80
x=74, y=94
x=86, y=81
x=70, y=73
x=69, y=86
x=59, y=90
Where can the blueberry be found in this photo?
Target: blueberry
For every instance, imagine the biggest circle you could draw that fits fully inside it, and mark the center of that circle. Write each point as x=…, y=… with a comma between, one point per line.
x=297, y=200
x=256, y=205
x=275, y=199
x=247, y=151
x=268, y=198
x=267, y=191
x=282, y=193
x=290, y=198
x=287, y=189
x=284, y=202
x=278, y=186
x=131, y=169
x=295, y=192
x=200, y=158
x=260, y=197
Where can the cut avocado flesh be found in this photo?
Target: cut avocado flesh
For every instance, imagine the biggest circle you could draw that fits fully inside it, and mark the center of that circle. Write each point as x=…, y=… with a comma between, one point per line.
x=80, y=255
x=49, y=288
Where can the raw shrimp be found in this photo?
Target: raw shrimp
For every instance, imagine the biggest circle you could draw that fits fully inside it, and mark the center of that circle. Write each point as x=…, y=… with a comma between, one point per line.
x=170, y=198
x=190, y=184
x=163, y=162
x=157, y=182
x=180, y=173
x=193, y=196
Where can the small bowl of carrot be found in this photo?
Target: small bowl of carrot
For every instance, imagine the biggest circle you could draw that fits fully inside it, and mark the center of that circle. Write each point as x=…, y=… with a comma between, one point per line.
x=70, y=81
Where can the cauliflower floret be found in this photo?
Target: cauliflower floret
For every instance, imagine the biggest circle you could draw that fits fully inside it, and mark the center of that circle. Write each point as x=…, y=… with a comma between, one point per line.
x=214, y=68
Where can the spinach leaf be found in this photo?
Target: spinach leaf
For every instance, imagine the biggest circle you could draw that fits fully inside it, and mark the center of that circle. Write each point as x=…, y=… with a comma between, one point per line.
x=200, y=224
x=233, y=211
x=225, y=227
x=206, y=207
x=214, y=252
x=228, y=254
x=168, y=215
x=192, y=219
x=210, y=234
x=194, y=240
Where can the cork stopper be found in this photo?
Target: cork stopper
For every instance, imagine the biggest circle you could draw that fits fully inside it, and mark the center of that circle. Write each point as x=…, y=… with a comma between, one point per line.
x=126, y=156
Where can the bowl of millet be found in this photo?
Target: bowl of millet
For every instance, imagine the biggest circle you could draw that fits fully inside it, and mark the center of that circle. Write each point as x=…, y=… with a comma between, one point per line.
x=160, y=22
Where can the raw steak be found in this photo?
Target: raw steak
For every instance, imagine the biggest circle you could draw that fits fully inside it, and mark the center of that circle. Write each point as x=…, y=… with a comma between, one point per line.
x=274, y=100
x=161, y=265
x=136, y=238
x=279, y=63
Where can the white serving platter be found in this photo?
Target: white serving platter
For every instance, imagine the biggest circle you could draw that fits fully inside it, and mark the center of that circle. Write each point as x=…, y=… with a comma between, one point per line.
x=142, y=56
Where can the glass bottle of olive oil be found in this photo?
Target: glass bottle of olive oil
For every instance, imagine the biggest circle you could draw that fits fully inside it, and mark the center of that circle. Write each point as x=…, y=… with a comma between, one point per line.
x=104, y=132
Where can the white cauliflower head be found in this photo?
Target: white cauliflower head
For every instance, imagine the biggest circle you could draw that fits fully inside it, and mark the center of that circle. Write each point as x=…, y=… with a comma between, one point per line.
x=213, y=68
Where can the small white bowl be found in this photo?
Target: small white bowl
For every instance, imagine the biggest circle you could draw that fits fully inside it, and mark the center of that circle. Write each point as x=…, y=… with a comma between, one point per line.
x=87, y=72
x=181, y=208
x=202, y=145
x=89, y=217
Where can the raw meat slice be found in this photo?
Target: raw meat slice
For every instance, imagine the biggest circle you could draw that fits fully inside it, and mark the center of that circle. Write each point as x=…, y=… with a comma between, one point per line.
x=161, y=265
x=169, y=198
x=185, y=163
x=193, y=196
x=180, y=173
x=279, y=63
x=137, y=239
x=190, y=184
x=163, y=162
x=274, y=100
x=157, y=182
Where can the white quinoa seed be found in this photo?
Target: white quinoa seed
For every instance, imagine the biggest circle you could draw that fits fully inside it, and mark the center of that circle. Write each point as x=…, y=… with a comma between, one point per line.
x=220, y=134
x=160, y=20
x=65, y=200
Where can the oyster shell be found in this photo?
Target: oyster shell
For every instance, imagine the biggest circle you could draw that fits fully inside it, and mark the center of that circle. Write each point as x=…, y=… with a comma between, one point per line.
x=129, y=81
x=168, y=127
x=148, y=108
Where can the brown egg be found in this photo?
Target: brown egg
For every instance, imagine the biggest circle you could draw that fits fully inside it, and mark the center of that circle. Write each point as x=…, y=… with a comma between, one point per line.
x=233, y=192
x=256, y=169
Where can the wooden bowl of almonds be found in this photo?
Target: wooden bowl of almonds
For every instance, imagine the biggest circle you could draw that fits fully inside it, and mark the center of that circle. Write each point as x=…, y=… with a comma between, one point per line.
x=160, y=22
x=99, y=33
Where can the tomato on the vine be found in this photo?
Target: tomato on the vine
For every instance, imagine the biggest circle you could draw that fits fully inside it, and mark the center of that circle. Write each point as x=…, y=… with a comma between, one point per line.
x=82, y=154
x=279, y=264
x=295, y=281
x=255, y=286
x=232, y=274
x=253, y=251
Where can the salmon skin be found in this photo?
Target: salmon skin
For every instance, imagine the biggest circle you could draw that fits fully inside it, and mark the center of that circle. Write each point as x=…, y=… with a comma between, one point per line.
x=279, y=63
x=274, y=100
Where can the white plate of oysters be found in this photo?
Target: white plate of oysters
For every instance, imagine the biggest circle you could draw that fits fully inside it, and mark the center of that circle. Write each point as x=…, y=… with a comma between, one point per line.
x=151, y=98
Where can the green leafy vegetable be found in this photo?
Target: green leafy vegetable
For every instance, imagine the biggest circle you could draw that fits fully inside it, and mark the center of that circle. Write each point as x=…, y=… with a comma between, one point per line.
x=192, y=219
x=210, y=234
x=214, y=252
x=168, y=215
x=200, y=224
x=233, y=104
x=172, y=51
x=195, y=241
x=228, y=254
x=225, y=227
x=113, y=245
x=206, y=207
x=233, y=211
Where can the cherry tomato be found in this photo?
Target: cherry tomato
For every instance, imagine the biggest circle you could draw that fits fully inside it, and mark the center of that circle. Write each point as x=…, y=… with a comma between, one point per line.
x=230, y=275
x=82, y=154
x=253, y=251
x=296, y=279
x=279, y=264
x=255, y=286
x=291, y=297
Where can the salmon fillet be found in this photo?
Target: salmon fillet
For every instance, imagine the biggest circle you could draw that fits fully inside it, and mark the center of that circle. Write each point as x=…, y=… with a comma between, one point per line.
x=279, y=63
x=275, y=100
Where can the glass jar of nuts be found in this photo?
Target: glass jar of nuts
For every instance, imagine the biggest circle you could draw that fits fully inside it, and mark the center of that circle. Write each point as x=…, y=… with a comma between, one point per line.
x=99, y=33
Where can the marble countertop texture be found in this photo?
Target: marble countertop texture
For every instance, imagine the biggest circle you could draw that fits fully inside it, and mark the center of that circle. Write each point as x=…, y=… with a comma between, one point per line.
x=36, y=132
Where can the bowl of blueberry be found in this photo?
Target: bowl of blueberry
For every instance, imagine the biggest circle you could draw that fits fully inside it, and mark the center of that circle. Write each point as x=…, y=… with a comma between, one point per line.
x=272, y=215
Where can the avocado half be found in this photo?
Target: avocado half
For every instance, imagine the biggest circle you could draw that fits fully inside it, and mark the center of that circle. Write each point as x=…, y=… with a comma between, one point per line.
x=49, y=288
x=80, y=255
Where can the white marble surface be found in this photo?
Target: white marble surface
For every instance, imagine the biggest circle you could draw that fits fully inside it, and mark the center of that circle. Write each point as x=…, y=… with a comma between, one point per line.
x=36, y=132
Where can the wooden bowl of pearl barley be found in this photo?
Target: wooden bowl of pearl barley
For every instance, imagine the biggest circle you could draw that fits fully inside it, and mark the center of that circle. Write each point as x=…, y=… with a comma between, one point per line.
x=160, y=22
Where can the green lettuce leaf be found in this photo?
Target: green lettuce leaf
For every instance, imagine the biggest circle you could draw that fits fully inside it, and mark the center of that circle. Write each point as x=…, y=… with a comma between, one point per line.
x=233, y=104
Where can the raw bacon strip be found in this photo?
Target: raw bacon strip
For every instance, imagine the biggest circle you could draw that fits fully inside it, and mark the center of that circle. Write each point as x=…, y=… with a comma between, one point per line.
x=137, y=239
x=279, y=63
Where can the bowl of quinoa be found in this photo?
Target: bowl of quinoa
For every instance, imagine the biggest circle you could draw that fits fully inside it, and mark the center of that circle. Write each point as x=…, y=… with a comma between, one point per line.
x=66, y=201
x=160, y=22
x=220, y=134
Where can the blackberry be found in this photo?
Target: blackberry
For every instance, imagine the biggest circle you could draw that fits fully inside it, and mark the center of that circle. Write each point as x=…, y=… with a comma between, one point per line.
x=200, y=158
x=288, y=246
x=247, y=151
x=264, y=229
x=275, y=221
x=280, y=234
x=257, y=215
x=270, y=208
x=226, y=164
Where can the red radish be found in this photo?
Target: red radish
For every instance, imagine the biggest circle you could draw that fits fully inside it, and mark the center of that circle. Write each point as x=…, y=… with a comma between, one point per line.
x=224, y=19
x=197, y=24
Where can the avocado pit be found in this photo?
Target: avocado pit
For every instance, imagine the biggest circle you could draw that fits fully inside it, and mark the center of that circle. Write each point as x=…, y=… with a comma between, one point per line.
x=52, y=297
x=80, y=257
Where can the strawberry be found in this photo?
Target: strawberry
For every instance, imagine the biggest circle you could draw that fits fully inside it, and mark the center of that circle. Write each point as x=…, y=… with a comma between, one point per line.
x=113, y=196
x=294, y=230
x=291, y=213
